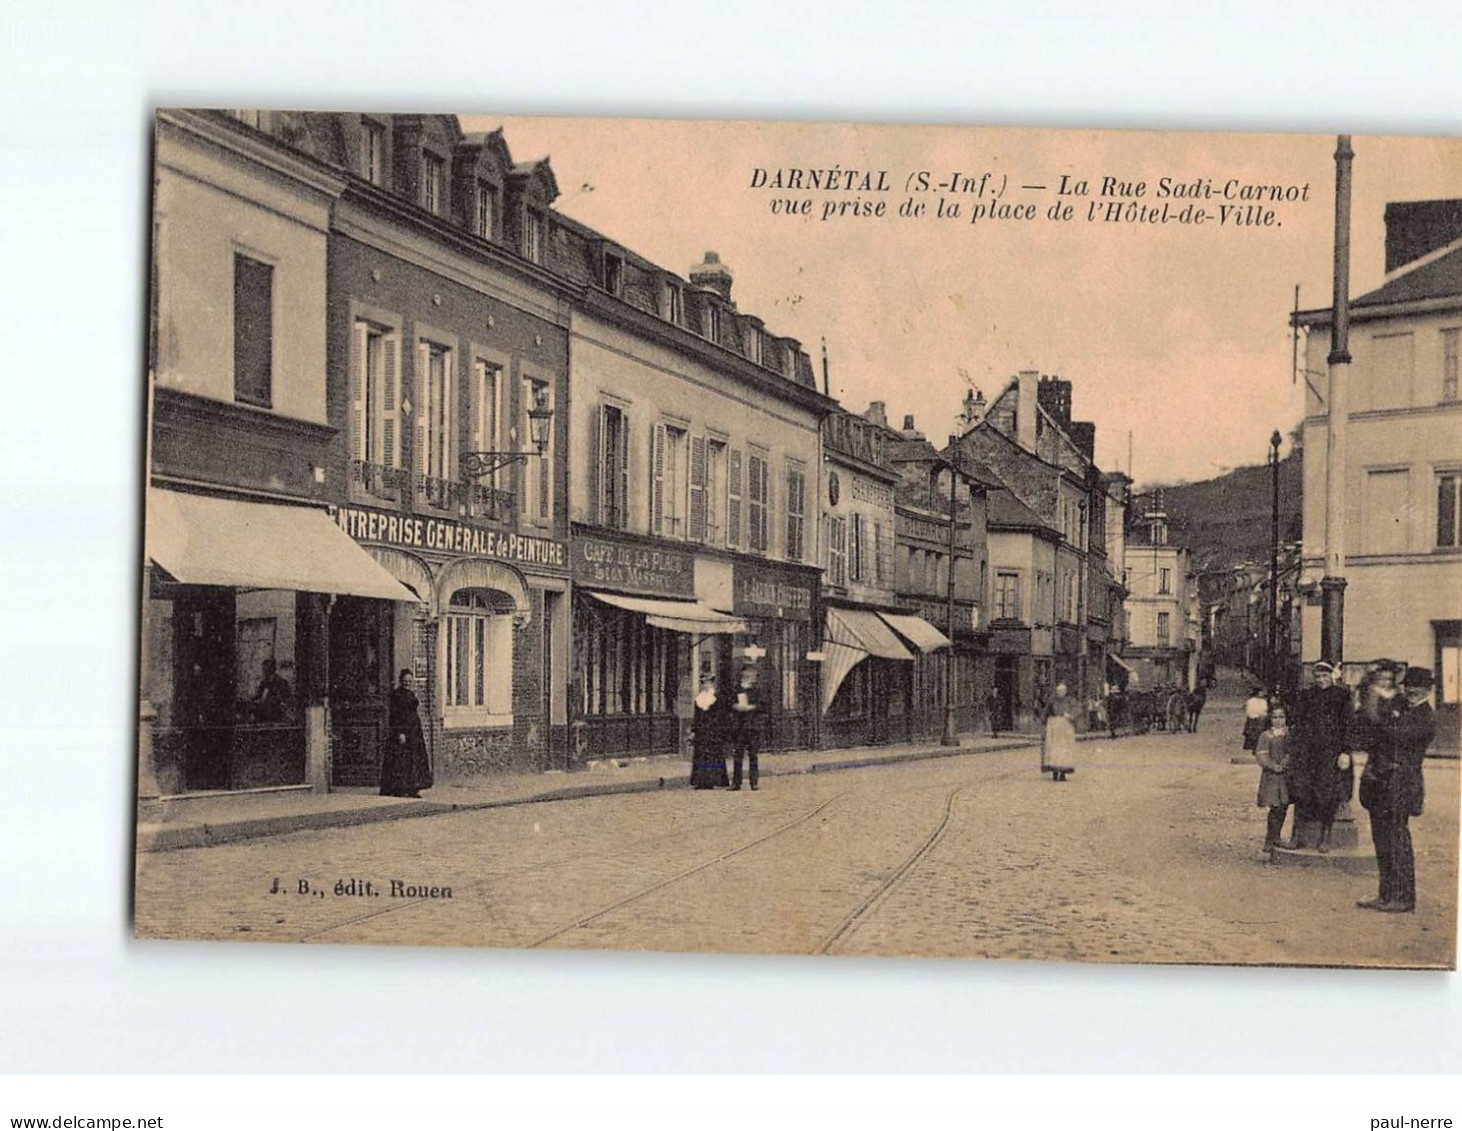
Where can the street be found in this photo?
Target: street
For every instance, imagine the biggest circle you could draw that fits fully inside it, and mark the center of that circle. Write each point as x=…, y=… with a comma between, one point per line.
x=1149, y=853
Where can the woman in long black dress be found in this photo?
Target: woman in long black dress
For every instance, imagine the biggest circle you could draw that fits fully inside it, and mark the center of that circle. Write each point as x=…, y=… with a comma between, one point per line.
x=708, y=739
x=405, y=764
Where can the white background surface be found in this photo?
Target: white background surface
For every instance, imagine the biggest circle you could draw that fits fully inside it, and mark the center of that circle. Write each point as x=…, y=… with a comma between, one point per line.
x=77, y=84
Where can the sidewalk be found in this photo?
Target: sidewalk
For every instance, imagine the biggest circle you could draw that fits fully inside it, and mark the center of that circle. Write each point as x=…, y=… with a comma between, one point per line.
x=201, y=821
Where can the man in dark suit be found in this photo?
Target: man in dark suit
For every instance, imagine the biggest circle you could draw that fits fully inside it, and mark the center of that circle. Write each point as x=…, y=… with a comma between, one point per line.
x=749, y=714
x=1398, y=733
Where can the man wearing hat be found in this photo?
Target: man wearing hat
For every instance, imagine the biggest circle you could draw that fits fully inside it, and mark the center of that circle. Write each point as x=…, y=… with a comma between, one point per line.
x=1322, y=775
x=1399, y=730
x=746, y=707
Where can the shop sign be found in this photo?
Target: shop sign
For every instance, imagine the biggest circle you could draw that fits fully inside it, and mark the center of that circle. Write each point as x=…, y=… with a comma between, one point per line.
x=599, y=562
x=765, y=593
x=447, y=536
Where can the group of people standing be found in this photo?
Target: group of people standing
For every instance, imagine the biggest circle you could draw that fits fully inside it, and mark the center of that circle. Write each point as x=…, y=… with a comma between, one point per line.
x=1305, y=759
x=726, y=725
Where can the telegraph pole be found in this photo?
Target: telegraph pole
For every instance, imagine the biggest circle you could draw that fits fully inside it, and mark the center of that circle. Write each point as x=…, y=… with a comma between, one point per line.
x=1274, y=442
x=1332, y=585
x=950, y=737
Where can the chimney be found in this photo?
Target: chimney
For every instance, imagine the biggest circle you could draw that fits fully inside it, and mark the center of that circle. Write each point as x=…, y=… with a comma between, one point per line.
x=973, y=411
x=1054, y=396
x=1418, y=227
x=1083, y=435
x=877, y=413
x=1025, y=410
x=713, y=275
x=909, y=431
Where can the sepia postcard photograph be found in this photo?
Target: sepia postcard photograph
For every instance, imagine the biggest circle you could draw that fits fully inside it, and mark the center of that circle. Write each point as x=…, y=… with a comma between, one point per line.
x=801, y=539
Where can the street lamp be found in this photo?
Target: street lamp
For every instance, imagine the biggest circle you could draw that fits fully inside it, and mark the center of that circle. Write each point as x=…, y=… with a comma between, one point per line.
x=1274, y=442
x=540, y=418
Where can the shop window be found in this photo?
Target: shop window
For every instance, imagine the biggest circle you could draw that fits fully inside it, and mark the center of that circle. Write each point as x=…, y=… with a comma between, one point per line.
x=477, y=667
x=626, y=667
x=793, y=646
x=253, y=331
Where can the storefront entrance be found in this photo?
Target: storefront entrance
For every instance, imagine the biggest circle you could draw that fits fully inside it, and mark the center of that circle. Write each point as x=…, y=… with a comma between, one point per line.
x=361, y=647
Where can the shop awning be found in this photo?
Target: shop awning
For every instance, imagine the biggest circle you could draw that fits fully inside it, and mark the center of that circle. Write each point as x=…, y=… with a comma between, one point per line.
x=1121, y=663
x=207, y=540
x=678, y=616
x=918, y=632
x=861, y=629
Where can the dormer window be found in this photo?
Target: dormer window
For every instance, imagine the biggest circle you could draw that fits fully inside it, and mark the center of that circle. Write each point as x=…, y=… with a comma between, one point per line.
x=713, y=322
x=754, y=344
x=373, y=152
x=674, y=304
x=614, y=274
x=486, y=214
x=433, y=183
x=533, y=236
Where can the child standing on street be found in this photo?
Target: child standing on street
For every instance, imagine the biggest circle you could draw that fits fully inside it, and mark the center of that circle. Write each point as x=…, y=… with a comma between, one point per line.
x=1272, y=753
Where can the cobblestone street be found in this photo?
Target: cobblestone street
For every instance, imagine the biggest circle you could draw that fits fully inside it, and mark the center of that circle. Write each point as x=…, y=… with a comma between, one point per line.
x=1148, y=853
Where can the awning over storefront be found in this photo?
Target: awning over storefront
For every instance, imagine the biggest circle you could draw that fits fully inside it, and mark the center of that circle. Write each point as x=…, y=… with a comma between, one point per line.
x=1123, y=664
x=861, y=629
x=677, y=616
x=852, y=636
x=918, y=632
x=206, y=540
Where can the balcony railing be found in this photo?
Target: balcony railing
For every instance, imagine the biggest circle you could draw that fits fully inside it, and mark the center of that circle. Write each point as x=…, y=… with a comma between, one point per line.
x=375, y=482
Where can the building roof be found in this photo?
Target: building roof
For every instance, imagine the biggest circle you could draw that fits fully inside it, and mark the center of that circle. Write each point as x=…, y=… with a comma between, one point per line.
x=1005, y=510
x=1439, y=278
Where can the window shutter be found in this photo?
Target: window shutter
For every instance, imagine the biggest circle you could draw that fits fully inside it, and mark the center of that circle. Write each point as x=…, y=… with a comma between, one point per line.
x=657, y=479
x=449, y=441
x=600, y=477
x=621, y=486
x=877, y=552
x=756, y=488
x=423, y=408
x=390, y=397
x=698, y=488
x=359, y=420
x=733, y=498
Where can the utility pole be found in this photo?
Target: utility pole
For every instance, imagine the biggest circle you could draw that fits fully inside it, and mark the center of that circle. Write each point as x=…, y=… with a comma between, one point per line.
x=1273, y=665
x=1332, y=585
x=950, y=737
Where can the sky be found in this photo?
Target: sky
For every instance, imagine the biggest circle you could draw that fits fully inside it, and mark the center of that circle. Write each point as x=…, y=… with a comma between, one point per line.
x=1178, y=335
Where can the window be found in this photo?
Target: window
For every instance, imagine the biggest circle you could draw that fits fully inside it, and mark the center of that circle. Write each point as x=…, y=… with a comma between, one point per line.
x=1451, y=344
x=477, y=669
x=375, y=393
x=793, y=644
x=837, y=551
x=613, y=274
x=756, y=503
x=253, y=331
x=613, y=466
x=674, y=304
x=436, y=389
x=1007, y=595
x=1164, y=629
x=713, y=322
x=1448, y=533
x=733, y=498
x=538, y=469
x=486, y=409
x=486, y=219
x=1391, y=370
x=533, y=236
x=715, y=485
x=255, y=118
x=1386, y=504
x=796, y=508
x=433, y=183
x=1164, y=580
x=373, y=152
x=667, y=481
x=857, y=564
x=754, y=344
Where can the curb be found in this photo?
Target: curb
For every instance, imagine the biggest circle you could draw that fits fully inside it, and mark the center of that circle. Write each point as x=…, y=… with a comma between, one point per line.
x=166, y=839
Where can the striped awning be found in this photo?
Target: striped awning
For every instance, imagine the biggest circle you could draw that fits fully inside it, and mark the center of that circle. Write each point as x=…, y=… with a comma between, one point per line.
x=677, y=616
x=918, y=632
x=862, y=629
